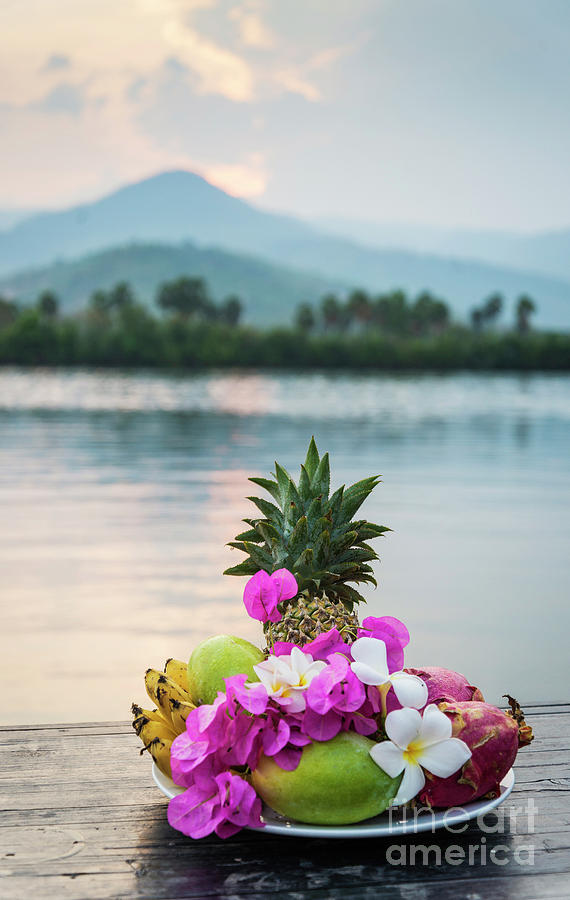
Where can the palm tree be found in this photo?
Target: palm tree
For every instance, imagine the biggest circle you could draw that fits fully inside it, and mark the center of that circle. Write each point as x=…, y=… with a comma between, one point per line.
x=8, y=312
x=476, y=319
x=525, y=308
x=391, y=312
x=305, y=317
x=185, y=296
x=492, y=308
x=331, y=310
x=120, y=296
x=428, y=314
x=231, y=310
x=359, y=307
x=48, y=304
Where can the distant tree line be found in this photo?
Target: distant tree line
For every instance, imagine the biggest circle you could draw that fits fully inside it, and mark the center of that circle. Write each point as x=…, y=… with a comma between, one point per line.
x=394, y=313
x=184, y=297
x=188, y=329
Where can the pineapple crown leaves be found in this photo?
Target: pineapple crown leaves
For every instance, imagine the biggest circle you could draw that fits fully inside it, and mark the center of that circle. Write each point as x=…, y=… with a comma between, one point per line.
x=311, y=534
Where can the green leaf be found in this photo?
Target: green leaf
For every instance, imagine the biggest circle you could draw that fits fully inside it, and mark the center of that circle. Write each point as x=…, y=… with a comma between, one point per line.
x=312, y=460
x=322, y=549
x=346, y=540
x=299, y=537
x=284, y=481
x=352, y=596
x=250, y=535
x=304, y=561
x=359, y=555
x=269, y=534
x=368, y=530
x=270, y=486
x=269, y=510
x=336, y=501
x=344, y=569
x=363, y=578
x=318, y=526
x=314, y=512
x=263, y=559
x=321, y=481
x=355, y=496
x=246, y=567
x=304, y=484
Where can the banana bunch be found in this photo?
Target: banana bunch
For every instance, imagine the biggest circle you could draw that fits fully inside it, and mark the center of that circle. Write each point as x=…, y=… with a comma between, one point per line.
x=158, y=727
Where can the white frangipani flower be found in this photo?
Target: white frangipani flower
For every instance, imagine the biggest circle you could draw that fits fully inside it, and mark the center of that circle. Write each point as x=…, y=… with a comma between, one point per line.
x=288, y=677
x=417, y=743
x=371, y=667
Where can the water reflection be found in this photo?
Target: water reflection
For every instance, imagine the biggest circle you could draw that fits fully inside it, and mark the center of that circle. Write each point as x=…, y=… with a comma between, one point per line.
x=119, y=492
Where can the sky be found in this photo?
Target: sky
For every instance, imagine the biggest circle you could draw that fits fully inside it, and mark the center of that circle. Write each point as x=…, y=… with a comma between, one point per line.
x=443, y=112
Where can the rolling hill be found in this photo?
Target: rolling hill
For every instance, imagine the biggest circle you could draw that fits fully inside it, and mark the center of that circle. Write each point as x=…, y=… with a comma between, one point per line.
x=180, y=206
x=547, y=253
x=270, y=293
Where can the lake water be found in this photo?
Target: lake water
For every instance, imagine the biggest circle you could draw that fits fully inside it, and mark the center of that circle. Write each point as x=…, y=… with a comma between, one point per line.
x=118, y=493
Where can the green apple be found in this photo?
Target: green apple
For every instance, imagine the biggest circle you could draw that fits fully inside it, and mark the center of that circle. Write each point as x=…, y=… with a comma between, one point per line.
x=336, y=783
x=217, y=658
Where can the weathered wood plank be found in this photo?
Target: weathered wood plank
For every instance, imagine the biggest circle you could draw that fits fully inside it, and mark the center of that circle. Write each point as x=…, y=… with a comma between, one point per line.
x=82, y=819
x=120, y=887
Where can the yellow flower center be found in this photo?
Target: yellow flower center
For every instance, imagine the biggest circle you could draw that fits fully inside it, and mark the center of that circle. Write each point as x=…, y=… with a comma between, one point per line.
x=412, y=751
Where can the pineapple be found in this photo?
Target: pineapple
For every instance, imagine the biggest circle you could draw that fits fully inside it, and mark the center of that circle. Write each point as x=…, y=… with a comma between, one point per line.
x=315, y=537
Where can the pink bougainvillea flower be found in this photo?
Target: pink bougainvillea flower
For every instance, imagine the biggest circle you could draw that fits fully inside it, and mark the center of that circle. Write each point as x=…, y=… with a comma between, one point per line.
x=283, y=648
x=336, y=686
x=289, y=758
x=327, y=643
x=227, y=804
x=394, y=634
x=239, y=803
x=359, y=722
x=285, y=583
x=207, y=722
x=276, y=734
x=263, y=592
x=252, y=696
x=322, y=727
x=187, y=757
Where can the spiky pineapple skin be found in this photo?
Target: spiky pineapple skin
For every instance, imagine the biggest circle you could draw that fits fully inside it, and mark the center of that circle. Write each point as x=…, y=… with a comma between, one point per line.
x=306, y=616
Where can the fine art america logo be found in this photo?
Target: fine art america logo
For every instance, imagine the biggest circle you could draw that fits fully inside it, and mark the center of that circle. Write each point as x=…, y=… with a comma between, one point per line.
x=481, y=849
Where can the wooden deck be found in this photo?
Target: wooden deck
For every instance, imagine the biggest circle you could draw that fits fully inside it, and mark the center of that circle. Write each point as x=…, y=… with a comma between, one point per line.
x=81, y=818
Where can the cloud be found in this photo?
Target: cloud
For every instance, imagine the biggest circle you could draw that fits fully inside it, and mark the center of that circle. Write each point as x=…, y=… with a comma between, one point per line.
x=294, y=82
x=219, y=70
x=56, y=62
x=248, y=179
x=63, y=98
x=252, y=30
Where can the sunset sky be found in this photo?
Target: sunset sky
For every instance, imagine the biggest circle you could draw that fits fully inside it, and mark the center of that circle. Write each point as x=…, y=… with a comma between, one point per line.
x=449, y=112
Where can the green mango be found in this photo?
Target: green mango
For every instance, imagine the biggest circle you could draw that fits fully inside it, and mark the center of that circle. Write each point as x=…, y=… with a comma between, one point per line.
x=336, y=783
x=217, y=658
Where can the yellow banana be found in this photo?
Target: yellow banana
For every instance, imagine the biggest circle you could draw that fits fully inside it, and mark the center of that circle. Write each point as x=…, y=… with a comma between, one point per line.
x=158, y=741
x=142, y=716
x=179, y=712
x=178, y=671
x=162, y=689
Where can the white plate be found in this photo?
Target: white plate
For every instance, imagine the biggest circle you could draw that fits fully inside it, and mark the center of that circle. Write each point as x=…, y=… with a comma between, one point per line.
x=396, y=821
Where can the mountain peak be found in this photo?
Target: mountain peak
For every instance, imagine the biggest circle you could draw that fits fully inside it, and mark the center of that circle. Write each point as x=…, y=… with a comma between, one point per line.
x=175, y=206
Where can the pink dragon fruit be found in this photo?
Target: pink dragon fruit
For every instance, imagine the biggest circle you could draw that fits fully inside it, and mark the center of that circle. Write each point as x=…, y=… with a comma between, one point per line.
x=493, y=738
x=443, y=684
